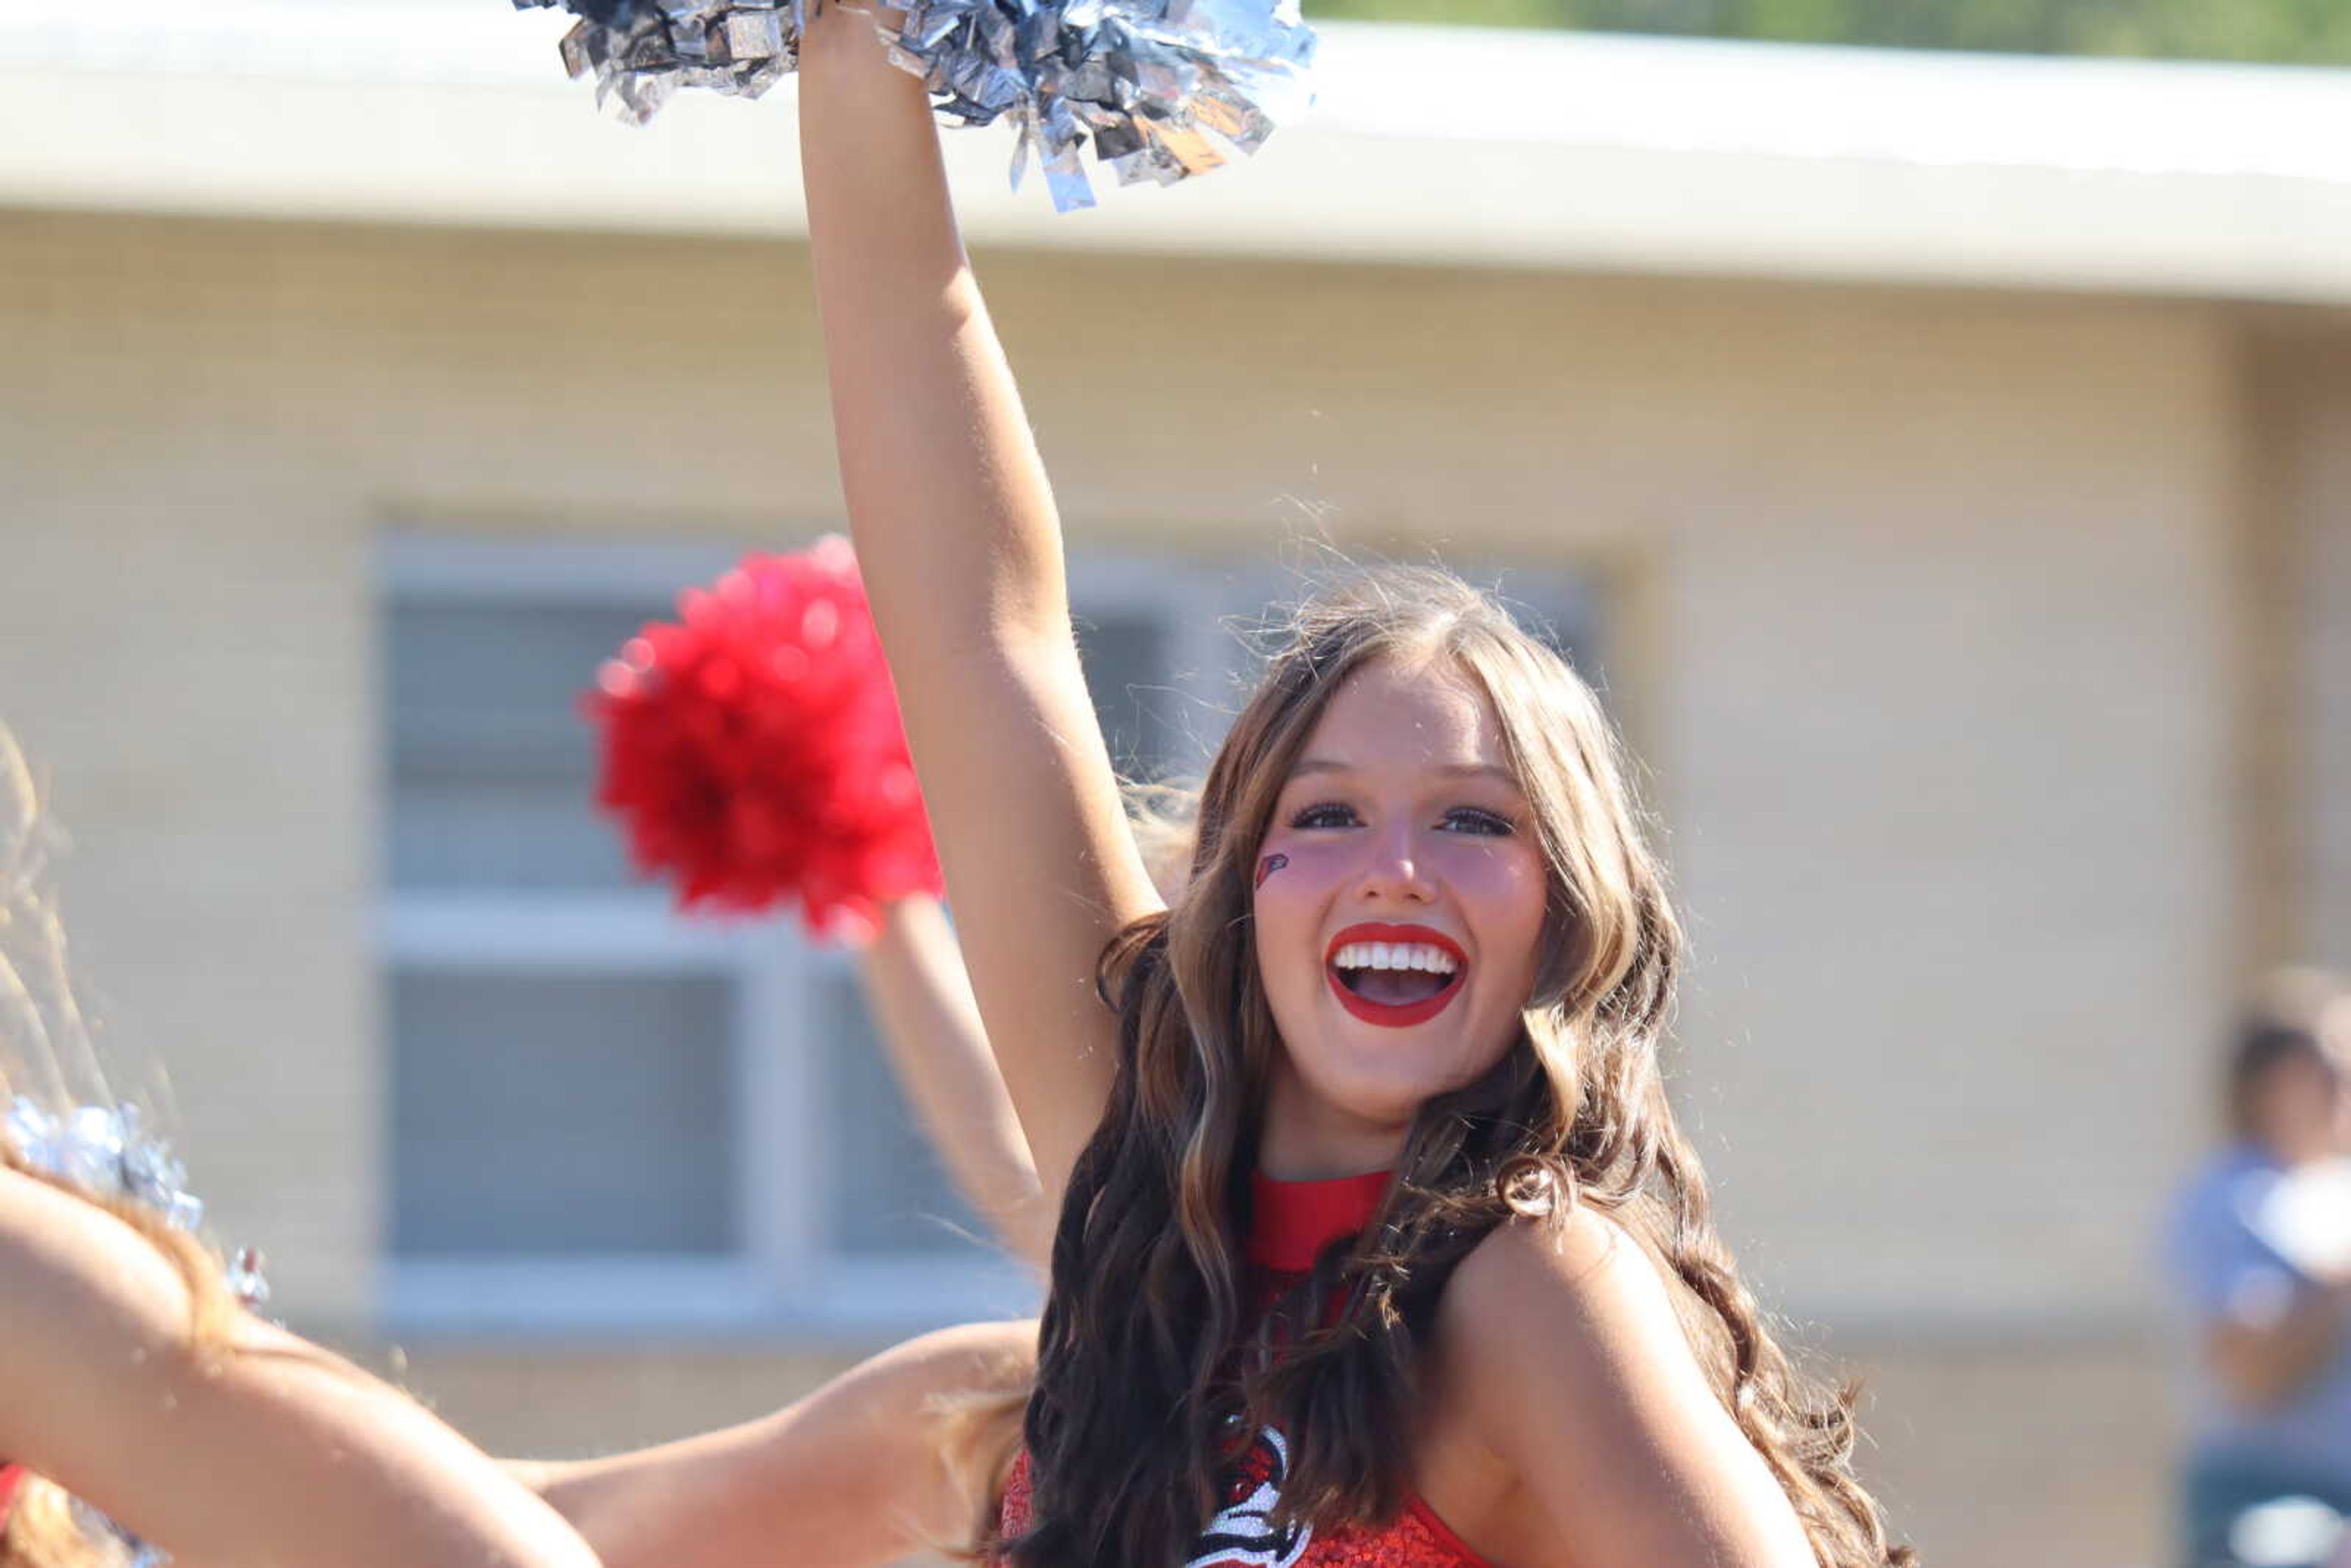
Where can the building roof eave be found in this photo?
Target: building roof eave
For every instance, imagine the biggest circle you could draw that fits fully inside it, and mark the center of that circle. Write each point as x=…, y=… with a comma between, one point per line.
x=1430, y=146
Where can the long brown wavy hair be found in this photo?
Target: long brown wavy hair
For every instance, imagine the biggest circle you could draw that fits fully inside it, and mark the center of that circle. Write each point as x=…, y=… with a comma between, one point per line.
x=1150, y=1369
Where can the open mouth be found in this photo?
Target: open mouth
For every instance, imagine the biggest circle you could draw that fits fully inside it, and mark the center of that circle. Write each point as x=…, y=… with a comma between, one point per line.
x=1394, y=976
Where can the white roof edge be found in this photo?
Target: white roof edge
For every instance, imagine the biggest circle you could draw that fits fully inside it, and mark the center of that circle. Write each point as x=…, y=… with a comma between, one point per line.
x=1430, y=145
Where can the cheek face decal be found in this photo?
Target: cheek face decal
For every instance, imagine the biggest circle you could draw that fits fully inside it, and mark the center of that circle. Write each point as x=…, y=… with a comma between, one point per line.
x=1268, y=866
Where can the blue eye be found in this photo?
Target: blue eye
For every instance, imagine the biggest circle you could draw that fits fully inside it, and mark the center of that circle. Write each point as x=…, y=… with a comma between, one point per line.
x=1472, y=820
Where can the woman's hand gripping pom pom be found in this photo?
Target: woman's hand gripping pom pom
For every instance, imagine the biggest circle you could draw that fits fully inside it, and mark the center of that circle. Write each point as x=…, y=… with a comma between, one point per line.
x=752, y=753
x=1160, y=87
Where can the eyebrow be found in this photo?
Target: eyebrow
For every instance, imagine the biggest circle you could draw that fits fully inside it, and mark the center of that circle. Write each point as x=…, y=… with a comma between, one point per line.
x=1449, y=770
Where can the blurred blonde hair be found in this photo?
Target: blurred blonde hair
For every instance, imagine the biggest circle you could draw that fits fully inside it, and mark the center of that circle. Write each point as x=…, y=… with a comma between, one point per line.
x=1165, y=821
x=45, y=1057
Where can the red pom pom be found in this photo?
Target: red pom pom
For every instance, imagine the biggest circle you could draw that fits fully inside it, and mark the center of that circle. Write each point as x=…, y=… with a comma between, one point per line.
x=752, y=753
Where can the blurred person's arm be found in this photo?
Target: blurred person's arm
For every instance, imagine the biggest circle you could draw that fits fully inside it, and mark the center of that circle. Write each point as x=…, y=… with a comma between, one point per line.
x=248, y=1449
x=2266, y=1355
x=2265, y=1325
x=897, y=1456
x=921, y=1003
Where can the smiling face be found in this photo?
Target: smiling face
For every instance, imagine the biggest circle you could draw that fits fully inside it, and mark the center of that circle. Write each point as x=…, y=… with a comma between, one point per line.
x=1399, y=913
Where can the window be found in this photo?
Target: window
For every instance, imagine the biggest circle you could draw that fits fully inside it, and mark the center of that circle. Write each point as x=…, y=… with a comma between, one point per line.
x=604, y=1115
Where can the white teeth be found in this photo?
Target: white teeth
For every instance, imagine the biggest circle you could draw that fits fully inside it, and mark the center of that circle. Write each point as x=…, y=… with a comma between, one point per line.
x=1422, y=956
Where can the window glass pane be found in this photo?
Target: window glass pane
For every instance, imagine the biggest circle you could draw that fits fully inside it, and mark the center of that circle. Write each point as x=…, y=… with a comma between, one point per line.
x=543, y=1114
x=1126, y=661
x=493, y=769
x=889, y=1192
x=1556, y=606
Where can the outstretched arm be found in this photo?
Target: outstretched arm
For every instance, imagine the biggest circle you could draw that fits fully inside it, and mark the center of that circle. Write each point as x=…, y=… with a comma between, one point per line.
x=961, y=551
x=921, y=1000
x=866, y=1469
x=265, y=1452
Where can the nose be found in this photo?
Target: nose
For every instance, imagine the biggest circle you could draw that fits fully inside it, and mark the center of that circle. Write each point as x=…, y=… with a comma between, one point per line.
x=1392, y=868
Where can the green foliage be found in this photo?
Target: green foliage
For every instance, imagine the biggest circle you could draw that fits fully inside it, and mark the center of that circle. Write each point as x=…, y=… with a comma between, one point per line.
x=2315, y=32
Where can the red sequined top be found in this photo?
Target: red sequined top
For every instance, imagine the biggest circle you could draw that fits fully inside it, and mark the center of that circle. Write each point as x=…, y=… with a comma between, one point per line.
x=1290, y=1222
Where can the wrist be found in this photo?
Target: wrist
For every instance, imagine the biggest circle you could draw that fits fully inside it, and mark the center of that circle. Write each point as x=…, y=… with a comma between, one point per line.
x=842, y=37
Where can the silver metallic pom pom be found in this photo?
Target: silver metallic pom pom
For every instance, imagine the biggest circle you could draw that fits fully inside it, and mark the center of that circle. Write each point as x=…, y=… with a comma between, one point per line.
x=1159, y=87
x=106, y=1150
x=641, y=52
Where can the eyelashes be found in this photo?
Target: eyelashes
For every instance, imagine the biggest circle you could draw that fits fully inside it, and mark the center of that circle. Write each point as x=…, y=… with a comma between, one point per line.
x=1473, y=820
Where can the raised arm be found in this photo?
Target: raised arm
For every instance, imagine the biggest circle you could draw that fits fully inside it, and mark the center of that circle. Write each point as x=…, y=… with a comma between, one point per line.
x=921, y=1004
x=961, y=551
x=265, y=1452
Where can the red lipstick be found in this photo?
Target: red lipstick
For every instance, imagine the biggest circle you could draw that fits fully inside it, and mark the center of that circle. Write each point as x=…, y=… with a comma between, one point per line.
x=1389, y=1015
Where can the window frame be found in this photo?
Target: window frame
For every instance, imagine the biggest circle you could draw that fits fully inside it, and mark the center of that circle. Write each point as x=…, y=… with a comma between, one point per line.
x=786, y=1278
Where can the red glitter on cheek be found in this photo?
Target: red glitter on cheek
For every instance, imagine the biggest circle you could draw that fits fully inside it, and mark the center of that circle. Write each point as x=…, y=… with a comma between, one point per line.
x=1268, y=866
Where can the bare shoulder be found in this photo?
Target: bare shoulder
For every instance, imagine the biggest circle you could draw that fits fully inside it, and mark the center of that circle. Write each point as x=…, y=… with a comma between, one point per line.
x=1560, y=1328
x=1537, y=1277
x=1561, y=1345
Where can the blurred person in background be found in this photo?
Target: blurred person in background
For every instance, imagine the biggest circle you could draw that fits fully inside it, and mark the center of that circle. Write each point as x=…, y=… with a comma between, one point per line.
x=2260, y=1257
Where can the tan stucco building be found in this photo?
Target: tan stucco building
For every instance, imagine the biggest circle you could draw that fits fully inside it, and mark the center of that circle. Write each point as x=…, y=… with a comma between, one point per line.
x=1944, y=461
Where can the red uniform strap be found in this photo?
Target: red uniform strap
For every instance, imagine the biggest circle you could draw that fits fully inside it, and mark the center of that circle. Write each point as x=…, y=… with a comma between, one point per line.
x=11, y=1477
x=1291, y=1223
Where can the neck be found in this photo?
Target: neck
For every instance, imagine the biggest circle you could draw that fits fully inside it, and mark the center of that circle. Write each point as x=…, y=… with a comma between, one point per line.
x=1304, y=1139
